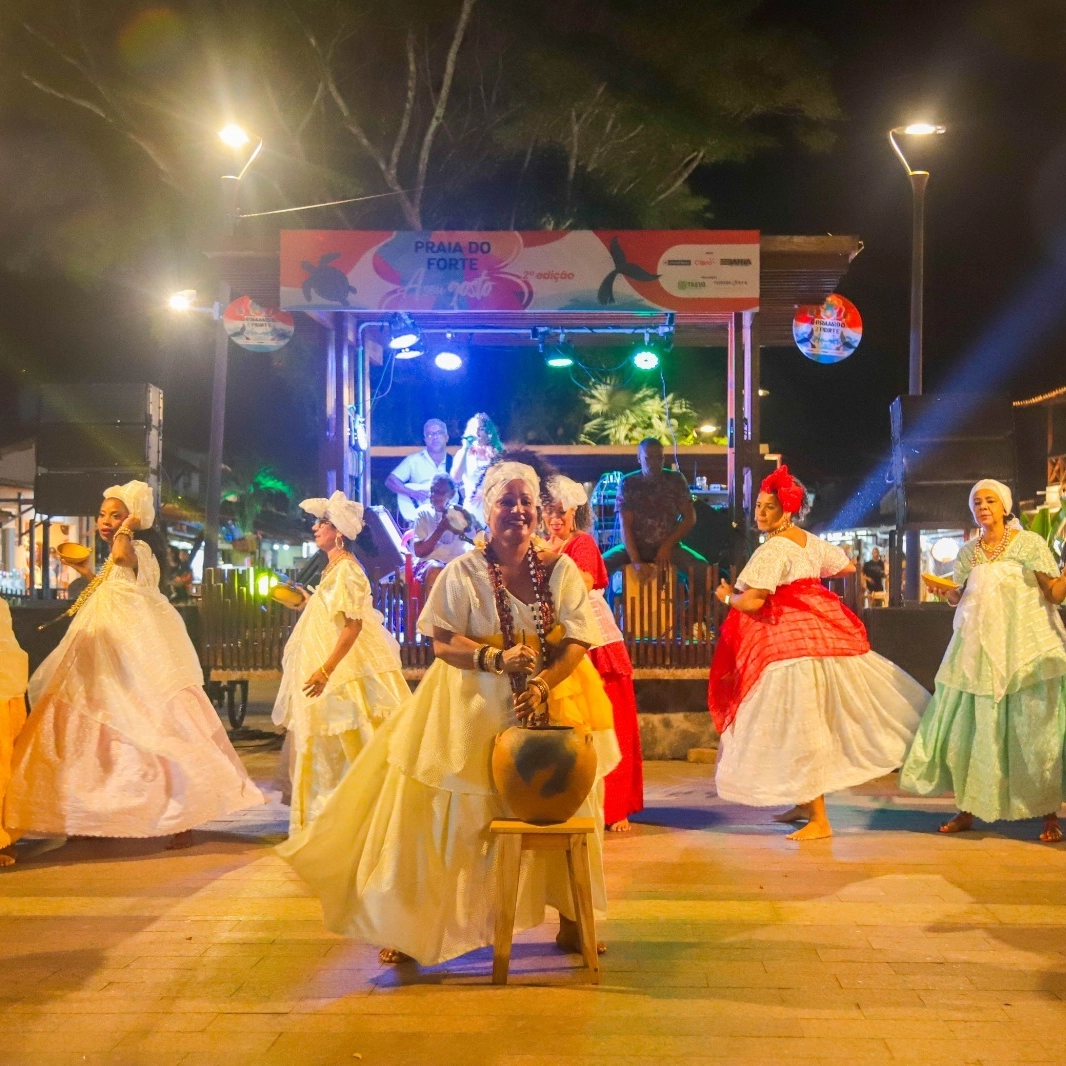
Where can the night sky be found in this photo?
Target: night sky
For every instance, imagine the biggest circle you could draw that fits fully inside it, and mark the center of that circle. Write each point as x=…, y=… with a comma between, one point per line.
x=996, y=257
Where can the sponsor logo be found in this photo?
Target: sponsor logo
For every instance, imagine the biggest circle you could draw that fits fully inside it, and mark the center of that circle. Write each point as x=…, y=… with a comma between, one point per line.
x=679, y=262
x=736, y=262
x=682, y=285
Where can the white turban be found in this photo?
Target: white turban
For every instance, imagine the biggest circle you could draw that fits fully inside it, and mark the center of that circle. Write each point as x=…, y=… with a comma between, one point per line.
x=567, y=493
x=501, y=474
x=999, y=489
x=339, y=511
x=137, y=496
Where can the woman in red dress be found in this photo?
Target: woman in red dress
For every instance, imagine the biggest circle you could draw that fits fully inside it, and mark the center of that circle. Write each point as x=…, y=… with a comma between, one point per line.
x=567, y=518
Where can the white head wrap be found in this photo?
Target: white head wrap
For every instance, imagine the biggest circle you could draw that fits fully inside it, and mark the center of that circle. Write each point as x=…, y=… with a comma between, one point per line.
x=998, y=488
x=137, y=496
x=567, y=493
x=339, y=511
x=501, y=474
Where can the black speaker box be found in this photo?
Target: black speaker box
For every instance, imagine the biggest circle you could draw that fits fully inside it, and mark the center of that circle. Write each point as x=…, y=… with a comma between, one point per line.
x=941, y=445
x=79, y=492
x=138, y=404
x=82, y=446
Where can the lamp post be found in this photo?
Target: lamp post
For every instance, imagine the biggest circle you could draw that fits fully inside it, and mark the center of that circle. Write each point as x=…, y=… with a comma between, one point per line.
x=919, y=180
x=236, y=138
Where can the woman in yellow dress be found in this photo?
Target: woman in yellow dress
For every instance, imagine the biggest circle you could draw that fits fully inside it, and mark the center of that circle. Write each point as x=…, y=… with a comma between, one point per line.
x=400, y=854
x=14, y=675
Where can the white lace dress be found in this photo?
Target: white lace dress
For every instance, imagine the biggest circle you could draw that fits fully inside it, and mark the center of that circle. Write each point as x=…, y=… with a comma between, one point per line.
x=810, y=726
x=329, y=731
x=122, y=740
x=400, y=854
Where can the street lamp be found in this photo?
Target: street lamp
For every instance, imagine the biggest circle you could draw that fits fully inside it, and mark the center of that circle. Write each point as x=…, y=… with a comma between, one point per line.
x=919, y=179
x=234, y=137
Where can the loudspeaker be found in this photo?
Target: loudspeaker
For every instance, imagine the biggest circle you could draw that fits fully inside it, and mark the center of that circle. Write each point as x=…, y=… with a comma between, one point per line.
x=941, y=445
x=378, y=546
x=92, y=436
x=93, y=404
x=85, y=447
x=80, y=492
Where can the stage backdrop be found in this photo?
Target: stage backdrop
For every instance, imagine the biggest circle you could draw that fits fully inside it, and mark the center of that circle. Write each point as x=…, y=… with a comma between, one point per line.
x=693, y=271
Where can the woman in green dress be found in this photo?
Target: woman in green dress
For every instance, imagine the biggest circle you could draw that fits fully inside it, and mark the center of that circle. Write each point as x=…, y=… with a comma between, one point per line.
x=994, y=730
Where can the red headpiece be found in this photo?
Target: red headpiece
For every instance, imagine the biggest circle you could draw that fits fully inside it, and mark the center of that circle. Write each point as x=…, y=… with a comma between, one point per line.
x=786, y=488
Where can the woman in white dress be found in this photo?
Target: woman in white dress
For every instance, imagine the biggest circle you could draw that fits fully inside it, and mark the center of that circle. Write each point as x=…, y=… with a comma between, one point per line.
x=803, y=706
x=341, y=670
x=400, y=854
x=123, y=741
x=995, y=729
x=479, y=447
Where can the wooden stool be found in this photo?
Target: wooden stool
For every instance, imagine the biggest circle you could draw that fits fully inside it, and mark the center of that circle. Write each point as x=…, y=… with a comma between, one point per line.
x=514, y=838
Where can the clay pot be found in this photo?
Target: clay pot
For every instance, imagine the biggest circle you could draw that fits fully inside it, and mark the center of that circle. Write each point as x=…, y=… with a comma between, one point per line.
x=543, y=775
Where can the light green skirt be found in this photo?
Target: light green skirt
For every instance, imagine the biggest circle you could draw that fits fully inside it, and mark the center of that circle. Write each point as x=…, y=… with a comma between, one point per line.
x=1003, y=760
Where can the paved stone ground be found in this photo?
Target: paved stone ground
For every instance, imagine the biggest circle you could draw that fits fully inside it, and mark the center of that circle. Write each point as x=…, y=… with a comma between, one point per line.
x=727, y=944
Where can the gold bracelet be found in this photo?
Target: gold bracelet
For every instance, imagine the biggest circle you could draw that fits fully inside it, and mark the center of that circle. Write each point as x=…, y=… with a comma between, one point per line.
x=542, y=687
x=324, y=672
x=124, y=531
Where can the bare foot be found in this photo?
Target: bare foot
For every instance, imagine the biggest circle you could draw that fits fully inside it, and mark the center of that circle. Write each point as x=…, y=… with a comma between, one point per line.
x=568, y=940
x=9, y=860
x=800, y=813
x=962, y=822
x=621, y=826
x=1052, y=833
x=180, y=841
x=391, y=955
x=814, y=830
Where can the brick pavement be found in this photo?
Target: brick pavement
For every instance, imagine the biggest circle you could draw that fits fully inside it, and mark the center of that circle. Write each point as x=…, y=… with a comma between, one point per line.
x=727, y=944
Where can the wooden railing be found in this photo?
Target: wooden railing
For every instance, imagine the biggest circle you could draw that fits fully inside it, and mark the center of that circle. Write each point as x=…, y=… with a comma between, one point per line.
x=669, y=625
x=244, y=631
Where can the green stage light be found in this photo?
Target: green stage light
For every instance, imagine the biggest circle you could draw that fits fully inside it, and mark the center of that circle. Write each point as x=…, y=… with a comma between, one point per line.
x=645, y=358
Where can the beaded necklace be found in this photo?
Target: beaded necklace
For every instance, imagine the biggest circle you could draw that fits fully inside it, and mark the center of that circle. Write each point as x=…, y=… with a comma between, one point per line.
x=86, y=592
x=543, y=610
x=998, y=550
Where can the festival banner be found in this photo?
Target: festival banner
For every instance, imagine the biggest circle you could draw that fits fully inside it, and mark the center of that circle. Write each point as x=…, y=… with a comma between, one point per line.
x=694, y=271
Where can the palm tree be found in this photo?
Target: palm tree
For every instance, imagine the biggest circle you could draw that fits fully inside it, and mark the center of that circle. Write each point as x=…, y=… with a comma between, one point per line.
x=618, y=415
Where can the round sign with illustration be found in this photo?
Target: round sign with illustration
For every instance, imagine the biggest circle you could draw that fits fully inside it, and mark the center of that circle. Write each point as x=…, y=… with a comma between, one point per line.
x=257, y=328
x=828, y=332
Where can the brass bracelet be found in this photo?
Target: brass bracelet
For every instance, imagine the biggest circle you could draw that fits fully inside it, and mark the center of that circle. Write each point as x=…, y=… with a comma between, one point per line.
x=479, y=657
x=497, y=661
x=324, y=672
x=541, y=686
x=124, y=531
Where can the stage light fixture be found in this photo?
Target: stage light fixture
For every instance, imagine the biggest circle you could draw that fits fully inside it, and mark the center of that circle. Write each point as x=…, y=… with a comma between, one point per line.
x=449, y=356
x=413, y=352
x=403, y=332
x=645, y=356
x=708, y=427
x=563, y=354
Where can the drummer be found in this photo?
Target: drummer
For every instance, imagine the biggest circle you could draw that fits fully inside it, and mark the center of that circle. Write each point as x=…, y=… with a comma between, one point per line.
x=441, y=533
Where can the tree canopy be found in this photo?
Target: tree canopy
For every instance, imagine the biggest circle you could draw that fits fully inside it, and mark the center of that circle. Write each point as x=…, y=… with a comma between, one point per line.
x=444, y=113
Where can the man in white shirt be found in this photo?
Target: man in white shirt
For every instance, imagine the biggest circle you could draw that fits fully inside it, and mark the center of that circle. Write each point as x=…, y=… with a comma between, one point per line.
x=436, y=540
x=411, y=479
